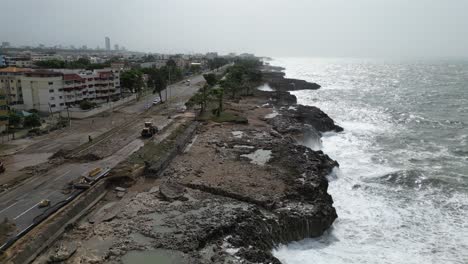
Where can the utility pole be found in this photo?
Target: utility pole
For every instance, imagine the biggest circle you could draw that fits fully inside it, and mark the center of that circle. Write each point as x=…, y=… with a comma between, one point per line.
x=68, y=114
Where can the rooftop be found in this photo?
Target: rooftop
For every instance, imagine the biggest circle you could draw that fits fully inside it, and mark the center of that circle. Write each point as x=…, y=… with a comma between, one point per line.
x=72, y=77
x=14, y=70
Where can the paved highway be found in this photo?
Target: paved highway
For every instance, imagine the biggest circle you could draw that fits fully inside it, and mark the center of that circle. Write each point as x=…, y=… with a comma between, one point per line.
x=20, y=204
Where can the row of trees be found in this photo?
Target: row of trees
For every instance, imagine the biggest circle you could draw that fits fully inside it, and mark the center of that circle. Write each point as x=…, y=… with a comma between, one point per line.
x=16, y=121
x=238, y=81
x=158, y=79
x=217, y=62
x=81, y=63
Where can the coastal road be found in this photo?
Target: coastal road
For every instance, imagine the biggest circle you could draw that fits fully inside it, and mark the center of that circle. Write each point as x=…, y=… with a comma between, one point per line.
x=20, y=204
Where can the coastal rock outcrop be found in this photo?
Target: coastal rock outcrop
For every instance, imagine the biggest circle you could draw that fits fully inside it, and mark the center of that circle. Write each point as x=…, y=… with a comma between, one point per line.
x=277, y=81
x=234, y=195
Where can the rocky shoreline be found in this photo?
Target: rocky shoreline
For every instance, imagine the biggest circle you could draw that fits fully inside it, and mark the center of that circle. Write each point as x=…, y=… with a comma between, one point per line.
x=236, y=192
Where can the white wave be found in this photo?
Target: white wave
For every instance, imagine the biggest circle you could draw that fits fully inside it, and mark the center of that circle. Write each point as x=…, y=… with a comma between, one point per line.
x=377, y=223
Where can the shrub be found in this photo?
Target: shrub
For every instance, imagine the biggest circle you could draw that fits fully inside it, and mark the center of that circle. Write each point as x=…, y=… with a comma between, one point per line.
x=86, y=105
x=32, y=121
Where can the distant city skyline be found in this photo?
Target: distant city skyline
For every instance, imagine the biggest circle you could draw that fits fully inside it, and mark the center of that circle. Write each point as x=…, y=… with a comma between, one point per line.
x=8, y=44
x=339, y=28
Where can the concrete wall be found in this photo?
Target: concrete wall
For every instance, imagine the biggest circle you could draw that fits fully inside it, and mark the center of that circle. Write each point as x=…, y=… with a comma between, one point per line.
x=28, y=247
x=77, y=113
x=154, y=168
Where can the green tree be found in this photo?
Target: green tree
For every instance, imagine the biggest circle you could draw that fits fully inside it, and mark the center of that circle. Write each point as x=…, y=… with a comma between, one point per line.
x=157, y=81
x=171, y=63
x=86, y=105
x=211, y=79
x=32, y=120
x=14, y=120
x=54, y=64
x=218, y=95
x=217, y=63
x=132, y=80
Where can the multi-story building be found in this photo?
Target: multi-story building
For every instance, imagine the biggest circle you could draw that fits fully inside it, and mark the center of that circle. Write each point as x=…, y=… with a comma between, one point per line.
x=211, y=55
x=41, y=90
x=108, y=44
x=44, y=57
x=53, y=91
x=5, y=44
x=3, y=112
x=153, y=64
x=22, y=62
x=10, y=84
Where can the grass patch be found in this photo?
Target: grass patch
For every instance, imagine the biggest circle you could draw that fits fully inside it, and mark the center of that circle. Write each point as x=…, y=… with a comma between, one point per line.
x=229, y=117
x=154, y=151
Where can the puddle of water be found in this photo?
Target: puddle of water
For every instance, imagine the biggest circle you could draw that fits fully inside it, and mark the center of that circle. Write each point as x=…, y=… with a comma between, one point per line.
x=160, y=256
x=157, y=221
x=266, y=88
x=259, y=157
x=237, y=134
x=98, y=246
x=244, y=146
x=141, y=239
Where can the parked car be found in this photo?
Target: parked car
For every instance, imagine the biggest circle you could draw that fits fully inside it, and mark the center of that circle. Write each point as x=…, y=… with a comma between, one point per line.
x=156, y=101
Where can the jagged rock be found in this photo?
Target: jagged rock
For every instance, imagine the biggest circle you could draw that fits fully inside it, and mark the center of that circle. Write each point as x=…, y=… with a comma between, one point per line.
x=171, y=191
x=277, y=81
x=120, y=189
x=154, y=190
x=64, y=252
x=313, y=116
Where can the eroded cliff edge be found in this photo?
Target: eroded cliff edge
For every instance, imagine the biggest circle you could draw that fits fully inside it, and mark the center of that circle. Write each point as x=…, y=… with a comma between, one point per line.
x=236, y=191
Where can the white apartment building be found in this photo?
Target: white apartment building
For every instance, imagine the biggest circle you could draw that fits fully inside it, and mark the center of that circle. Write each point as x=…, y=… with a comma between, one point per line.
x=21, y=62
x=41, y=91
x=53, y=91
x=10, y=84
x=44, y=57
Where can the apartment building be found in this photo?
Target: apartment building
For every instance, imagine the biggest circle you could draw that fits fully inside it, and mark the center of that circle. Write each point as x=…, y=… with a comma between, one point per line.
x=42, y=90
x=21, y=62
x=10, y=84
x=3, y=112
x=54, y=91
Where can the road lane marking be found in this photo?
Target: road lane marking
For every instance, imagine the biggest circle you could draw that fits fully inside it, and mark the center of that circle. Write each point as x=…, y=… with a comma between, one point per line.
x=8, y=207
x=25, y=211
x=56, y=179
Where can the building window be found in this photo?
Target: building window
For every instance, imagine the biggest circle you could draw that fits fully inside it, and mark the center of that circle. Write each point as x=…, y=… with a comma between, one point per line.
x=52, y=98
x=51, y=83
x=60, y=90
x=61, y=104
x=52, y=105
x=60, y=97
x=51, y=90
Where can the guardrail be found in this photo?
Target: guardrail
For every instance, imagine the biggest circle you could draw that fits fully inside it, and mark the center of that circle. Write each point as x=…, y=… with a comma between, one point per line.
x=49, y=211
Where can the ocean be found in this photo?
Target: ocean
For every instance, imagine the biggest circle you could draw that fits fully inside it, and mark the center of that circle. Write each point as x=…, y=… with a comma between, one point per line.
x=401, y=192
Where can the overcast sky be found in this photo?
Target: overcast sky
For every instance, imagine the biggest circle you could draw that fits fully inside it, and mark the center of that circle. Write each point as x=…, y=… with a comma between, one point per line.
x=351, y=28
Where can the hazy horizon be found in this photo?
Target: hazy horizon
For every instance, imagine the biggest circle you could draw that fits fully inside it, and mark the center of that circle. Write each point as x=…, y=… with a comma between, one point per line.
x=323, y=28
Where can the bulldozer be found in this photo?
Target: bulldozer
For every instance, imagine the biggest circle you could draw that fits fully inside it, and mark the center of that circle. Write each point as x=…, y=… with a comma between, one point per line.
x=149, y=130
